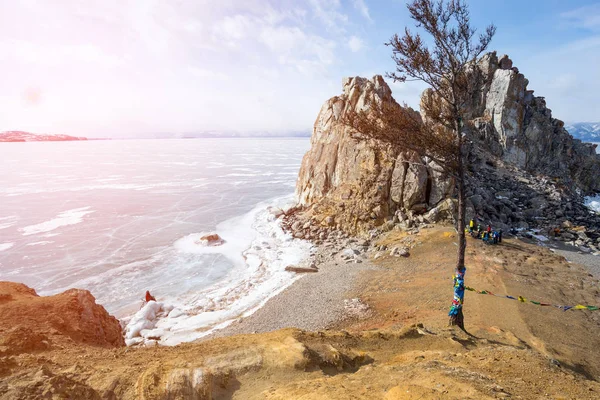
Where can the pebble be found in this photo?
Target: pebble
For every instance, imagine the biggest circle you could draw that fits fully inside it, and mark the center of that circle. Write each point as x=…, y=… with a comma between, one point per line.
x=313, y=302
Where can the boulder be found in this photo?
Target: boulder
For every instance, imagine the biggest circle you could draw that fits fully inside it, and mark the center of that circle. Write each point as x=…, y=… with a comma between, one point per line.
x=350, y=253
x=505, y=63
x=210, y=240
x=29, y=322
x=409, y=181
x=567, y=224
x=440, y=186
x=419, y=208
x=400, y=252
x=276, y=211
x=567, y=236
x=445, y=211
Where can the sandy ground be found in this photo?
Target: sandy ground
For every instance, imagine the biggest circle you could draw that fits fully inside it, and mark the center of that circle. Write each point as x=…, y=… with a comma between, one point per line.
x=402, y=291
x=401, y=349
x=419, y=289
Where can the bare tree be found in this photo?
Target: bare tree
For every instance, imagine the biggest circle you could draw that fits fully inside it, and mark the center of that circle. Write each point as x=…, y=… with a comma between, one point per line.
x=445, y=63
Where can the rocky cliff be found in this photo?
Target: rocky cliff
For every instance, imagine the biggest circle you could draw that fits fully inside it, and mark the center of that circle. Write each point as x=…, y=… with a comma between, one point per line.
x=30, y=323
x=519, y=128
x=354, y=184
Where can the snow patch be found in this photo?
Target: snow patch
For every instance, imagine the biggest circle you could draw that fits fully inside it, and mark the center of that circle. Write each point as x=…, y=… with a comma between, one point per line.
x=69, y=217
x=7, y=222
x=593, y=203
x=142, y=324
x=43, y=242
x=6, y=246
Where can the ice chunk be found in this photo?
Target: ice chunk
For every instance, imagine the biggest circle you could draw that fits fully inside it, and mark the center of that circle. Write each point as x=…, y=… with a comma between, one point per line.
x=146, y=318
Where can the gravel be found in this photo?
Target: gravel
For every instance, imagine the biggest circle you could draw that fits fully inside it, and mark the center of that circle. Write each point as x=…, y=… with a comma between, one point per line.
x=590, y=261
x=313, y=302
x=575, y=255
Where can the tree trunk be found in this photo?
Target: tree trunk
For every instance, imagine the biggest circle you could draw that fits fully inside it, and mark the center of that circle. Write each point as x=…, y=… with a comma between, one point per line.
x=456, y=312
x=461, y=224
x=462, y=205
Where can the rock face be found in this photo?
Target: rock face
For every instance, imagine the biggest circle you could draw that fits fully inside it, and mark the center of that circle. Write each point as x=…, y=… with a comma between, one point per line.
x=352, y=183
x=357, y=183
x=519, y=128
x=29, y=322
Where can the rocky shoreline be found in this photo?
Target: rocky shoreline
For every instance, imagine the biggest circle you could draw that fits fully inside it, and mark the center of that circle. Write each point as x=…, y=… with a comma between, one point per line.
x=372, y=303
x=317, y=300
x=368, y=299
x=370, y=308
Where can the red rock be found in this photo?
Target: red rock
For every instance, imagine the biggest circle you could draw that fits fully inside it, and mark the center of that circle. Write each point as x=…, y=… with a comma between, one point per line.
x=211, y=240
x=29, y=322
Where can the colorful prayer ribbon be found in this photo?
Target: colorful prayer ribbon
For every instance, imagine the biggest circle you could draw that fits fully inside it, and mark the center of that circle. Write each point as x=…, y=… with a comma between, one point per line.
x=537, y=303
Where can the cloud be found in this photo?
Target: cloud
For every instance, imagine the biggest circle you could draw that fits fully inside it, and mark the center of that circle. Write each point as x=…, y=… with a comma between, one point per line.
x=587, y=17
x=355, y=43
x=363, y=9
x=57, y=55
x=588, y=43
x=232, y=29
x=184, y=65
x=292, y=46
x=328, y=12
x=407, y=92
x=273, y=35
x=567, y=77
x=564, y=81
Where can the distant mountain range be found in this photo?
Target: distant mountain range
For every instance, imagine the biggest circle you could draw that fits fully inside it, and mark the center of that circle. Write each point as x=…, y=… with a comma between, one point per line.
x=586, y=131
x=20, y=136
x=234, y=134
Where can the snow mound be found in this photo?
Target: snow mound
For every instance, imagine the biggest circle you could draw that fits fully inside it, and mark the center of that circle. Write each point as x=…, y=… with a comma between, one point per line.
x=143, y=323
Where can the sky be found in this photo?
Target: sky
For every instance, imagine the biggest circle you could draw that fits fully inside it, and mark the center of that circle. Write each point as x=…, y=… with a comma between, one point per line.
x=133, y=68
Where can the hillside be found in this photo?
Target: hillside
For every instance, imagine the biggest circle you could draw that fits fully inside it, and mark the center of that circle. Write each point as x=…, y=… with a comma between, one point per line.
x=21, y=136
x=400, y=349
